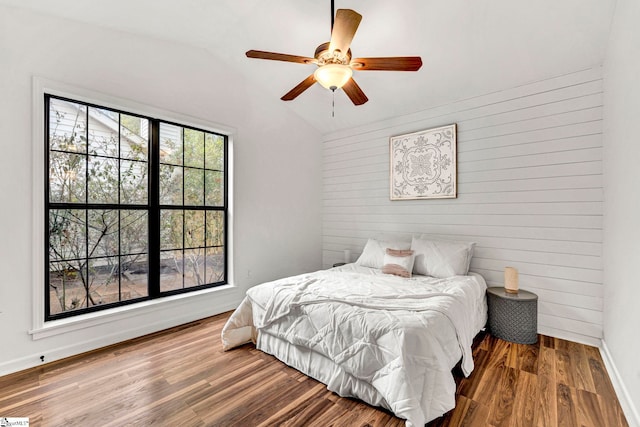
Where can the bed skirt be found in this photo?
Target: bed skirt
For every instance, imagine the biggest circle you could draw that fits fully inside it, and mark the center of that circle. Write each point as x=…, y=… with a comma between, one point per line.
x=323, y=369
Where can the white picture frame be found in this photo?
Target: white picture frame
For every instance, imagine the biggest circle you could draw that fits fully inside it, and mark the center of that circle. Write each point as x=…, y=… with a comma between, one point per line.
x=423, y=165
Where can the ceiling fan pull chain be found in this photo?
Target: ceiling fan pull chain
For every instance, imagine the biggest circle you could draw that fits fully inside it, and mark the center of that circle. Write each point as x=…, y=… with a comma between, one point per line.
x=333, y=103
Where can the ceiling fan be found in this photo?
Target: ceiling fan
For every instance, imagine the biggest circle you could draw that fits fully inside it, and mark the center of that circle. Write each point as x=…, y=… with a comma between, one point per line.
x=334, y=61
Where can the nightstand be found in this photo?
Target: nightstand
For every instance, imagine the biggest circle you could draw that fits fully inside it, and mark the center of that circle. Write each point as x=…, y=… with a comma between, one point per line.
x=513, y=317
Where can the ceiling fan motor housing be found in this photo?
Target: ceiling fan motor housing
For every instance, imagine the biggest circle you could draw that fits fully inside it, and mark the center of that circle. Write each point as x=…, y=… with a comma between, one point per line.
x=323, y=56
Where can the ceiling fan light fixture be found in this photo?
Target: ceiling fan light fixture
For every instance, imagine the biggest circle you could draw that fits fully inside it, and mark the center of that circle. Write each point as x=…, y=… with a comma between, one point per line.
x=333, y=76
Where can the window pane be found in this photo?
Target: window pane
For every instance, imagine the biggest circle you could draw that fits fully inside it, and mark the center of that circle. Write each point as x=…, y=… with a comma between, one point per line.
x=170, y=185
x=193, y=187
x=67, y=289
x=67, y=178
x=194, y=229
x=103, y=132
x=170, y=144
x=103, y=232
x=193, y=267
x=67, y=126
x=134, y=137
x=214, y=152
x=214, y=188
x=134, y=276
x=103, y=180
x=104, y=285
x=193, y=148
x=133, y=232
x=214, y=265
x=67, y=239
x=171, y=229
x=133, y=182
x=215, y=228
x=171, y=268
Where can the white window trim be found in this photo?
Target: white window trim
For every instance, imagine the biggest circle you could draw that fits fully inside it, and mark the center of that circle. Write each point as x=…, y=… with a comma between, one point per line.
x=42, y=329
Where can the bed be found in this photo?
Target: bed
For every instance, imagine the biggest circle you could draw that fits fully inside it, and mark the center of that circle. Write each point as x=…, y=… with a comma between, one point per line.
x=390, y=341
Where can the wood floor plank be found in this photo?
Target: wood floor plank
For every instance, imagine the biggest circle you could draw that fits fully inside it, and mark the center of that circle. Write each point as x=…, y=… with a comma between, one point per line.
x=468, y=413
x=612, y=413
x=524, y=407
x=566, y=406
x=229, y=390
x=312, y=411
x=580, y=363
x=488, y=385
x=328, y=418
x=513, y=356
x=601, y=382
x=230, y=411
x=546, y=341
x=502, y=403
x=528, y=356
x=468, y=387
x=564, y=372
x=546, y=409
x=588, y=409
x=499, y=352
x=182, y=377
x=294, y=402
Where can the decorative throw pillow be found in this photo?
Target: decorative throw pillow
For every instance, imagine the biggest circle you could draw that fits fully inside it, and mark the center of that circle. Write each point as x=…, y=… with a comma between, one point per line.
x=441, y=258
x=398, y=262
x=374, y=251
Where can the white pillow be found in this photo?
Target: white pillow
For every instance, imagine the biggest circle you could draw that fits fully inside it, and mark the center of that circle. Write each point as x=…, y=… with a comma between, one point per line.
x=398, y=262
x=394, y=237
x=441, y=258
x=374, y=251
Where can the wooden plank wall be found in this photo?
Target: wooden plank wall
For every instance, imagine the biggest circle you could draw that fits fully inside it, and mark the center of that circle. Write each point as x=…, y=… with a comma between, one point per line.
x=529, y=193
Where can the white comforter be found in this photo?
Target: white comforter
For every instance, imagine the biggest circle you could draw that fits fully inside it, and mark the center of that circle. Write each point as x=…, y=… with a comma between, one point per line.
x=401, y=336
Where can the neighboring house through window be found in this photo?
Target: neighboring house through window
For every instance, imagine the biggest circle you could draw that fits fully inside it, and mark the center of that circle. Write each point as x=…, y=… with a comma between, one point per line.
x=135, y=208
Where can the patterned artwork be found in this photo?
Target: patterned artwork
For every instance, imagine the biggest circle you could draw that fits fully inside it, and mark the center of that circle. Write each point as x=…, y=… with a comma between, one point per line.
x=423, y=164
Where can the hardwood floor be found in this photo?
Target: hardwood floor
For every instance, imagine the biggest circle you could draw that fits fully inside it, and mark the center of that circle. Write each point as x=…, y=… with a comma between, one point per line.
x=181, y=377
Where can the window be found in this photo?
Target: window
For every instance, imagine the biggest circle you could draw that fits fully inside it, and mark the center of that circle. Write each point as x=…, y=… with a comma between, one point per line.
x=135, y=208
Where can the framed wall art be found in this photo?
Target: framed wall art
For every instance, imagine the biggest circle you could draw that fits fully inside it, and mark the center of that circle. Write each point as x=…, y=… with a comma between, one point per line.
x=423, y=164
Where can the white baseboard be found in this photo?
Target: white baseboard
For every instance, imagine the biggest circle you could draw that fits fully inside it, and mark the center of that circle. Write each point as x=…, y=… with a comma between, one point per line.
x=569, y=336
x=628, y=406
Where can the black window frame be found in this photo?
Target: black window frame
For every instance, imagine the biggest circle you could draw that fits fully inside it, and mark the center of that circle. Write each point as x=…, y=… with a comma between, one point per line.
x=153, y=207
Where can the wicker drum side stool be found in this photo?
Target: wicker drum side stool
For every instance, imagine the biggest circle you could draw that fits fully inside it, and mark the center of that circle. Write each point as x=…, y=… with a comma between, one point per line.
x=513, y=317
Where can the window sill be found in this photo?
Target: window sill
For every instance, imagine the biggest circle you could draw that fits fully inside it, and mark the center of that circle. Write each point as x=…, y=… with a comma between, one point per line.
x=62, y=326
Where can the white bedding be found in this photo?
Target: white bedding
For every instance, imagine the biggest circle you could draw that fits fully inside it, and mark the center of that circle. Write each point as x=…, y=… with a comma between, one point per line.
x=387, y=340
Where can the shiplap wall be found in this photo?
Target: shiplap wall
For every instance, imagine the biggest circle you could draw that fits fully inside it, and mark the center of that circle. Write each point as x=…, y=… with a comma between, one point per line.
x=529, y=193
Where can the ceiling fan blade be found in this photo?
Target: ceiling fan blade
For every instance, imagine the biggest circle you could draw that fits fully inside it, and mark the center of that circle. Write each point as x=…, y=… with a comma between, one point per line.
x=355, y=94
x=394, y=63
x=344, y=28
x=304, y=85
x=258, y=54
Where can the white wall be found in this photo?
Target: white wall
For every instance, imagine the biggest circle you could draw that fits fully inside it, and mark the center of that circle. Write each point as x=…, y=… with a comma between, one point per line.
x=622, y=199
x=276, y=184
x=529, y=193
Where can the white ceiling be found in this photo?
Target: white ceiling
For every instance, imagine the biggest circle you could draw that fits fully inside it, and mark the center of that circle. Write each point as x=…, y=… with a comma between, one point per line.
x=468, y=47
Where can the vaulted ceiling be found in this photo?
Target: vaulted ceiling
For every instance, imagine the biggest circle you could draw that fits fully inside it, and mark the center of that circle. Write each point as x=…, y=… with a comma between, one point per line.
x=468, y=47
